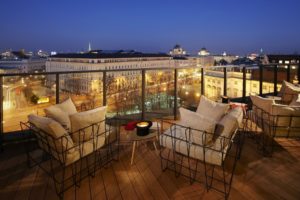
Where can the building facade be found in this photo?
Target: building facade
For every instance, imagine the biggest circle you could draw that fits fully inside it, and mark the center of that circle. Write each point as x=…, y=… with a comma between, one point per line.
x=99, y=60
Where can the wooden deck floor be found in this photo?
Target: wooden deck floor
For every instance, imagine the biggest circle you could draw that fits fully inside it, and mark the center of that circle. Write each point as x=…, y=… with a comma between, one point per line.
x=256, y=177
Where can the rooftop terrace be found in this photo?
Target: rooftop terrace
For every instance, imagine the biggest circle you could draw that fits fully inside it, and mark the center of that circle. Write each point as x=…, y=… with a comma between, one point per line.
x=151, y=94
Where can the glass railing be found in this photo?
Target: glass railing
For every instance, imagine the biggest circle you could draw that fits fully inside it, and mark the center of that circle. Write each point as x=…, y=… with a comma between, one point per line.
x=159, y=92
x=134, y=93
x=23, y=95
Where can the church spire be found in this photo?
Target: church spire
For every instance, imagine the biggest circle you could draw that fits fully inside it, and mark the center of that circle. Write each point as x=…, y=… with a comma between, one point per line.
x=90, y=48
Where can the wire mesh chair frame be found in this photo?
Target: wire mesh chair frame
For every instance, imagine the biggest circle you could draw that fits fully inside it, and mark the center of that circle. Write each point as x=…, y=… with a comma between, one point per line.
x=231, y=150
x=269, y=124
x=85, y=166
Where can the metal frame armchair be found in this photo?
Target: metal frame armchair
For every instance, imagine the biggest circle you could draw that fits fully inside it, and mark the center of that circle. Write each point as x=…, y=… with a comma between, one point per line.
x=184, y=157
x=68, y=163
x=274, y=126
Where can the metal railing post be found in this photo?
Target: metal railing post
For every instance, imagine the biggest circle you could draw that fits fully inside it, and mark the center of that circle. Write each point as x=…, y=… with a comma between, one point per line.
x=1, y=113
x=143, y=92
x=244, y=84
x=225, y=82
x=202, y=81
x=275, y=79
x=57, y=88
x=288, y=73
x=175, y=93
x=260, y=80
x=104, y=87
x=298, y=74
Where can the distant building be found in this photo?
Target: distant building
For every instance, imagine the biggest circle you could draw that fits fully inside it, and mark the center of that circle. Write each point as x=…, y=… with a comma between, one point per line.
x=204, y=59
x=221, y=59
x=177, y=51
x=282, y=59
x=104, y=60
x=20, y=62
x=203, y=52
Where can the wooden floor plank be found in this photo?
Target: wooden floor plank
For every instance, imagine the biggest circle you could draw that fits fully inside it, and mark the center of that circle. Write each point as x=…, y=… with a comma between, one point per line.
x=138, y=183
x=256, y=177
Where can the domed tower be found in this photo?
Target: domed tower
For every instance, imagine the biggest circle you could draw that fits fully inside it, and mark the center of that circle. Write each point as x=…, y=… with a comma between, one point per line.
x=203, y=52
x=177, y=51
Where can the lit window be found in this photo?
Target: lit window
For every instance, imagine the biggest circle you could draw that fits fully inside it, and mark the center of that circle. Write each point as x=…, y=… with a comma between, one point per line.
x=287, y=62
x=280, y=61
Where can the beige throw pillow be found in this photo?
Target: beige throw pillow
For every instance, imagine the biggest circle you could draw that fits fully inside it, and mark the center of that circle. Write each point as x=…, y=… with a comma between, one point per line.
x=289, y=91
x=211, y=109
x=68, y=106
x=201, y=123
x=295, y=101
x=58, y=138
x=80, y=124
x=58, y=115
x=263, y=103
x=60, y=112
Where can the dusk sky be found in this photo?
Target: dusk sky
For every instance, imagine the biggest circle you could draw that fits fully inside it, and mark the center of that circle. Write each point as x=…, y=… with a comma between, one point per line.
x=234, y=26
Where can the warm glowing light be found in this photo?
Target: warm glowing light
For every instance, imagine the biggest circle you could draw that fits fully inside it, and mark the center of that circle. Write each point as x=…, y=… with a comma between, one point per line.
x=142, y=124
x=186, y=93
x=43, y=100
x=197, y=94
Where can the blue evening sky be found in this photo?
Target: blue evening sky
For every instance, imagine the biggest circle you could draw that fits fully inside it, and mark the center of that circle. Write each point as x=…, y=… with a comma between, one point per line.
x=235, y=26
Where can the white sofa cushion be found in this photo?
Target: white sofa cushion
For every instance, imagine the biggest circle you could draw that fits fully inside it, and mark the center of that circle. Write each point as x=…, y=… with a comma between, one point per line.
x=60, y=112
x=205, y=126
x=288, y=92
x=263, y=103
x=174, y=138
x=227, y=126
x=295, y=101
x=60, y=142
x=211, y=109
x=180, y=145
x=67, y=106
x=84, y=119
x=211, y=155
x=58, y=115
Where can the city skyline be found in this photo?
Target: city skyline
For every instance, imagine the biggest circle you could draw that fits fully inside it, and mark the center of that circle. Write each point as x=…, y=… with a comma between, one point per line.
x=231, y=26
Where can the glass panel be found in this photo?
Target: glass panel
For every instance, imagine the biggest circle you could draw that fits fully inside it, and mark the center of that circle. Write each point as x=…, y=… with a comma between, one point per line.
x=268, y=80
x=189, y=87
x=214, y=83
x=124, y=93
x=294, y=74
x=234, y=82
x=85, y=89
x=252, y=81
x=281, y=75
x=24, y=95
x=159, y=93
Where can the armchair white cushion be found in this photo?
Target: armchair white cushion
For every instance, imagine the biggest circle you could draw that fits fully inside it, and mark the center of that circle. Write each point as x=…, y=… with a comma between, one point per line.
x=60, y=143
x=60, y=112
x=227, y=126
x=211, y=109
x=201, y=123
x=84, y=119
x=288, y=92
x=263, y=103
